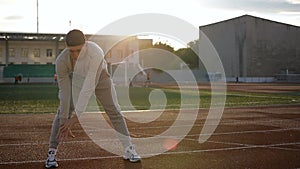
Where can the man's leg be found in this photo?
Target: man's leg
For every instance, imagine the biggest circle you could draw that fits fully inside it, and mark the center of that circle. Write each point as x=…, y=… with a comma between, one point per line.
x=53, y=143
x=106, y=94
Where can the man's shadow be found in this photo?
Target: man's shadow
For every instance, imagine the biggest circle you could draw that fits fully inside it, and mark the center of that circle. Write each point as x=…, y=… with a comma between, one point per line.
x=129, y=165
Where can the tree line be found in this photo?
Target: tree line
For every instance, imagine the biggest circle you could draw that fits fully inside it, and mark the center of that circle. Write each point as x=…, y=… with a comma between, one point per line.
x=187, y=54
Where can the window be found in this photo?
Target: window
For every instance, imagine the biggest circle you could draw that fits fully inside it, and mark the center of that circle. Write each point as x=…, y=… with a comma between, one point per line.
x=49, y=52
x=11, y=52
x=36, y=52
x=24, y=52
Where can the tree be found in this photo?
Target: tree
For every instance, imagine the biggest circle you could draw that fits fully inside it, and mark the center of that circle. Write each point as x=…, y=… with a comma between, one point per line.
x=194, y=44
x=163, y=46
x=188, y=55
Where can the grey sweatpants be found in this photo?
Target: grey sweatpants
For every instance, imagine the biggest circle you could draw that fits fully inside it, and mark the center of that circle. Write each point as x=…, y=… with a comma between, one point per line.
x=106, y=96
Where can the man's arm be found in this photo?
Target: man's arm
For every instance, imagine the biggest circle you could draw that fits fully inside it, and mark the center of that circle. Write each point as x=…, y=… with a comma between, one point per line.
x=64, y=84
x=88, y=88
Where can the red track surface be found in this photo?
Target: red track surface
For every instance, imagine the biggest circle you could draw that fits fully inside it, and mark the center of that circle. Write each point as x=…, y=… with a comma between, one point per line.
x=254, y=137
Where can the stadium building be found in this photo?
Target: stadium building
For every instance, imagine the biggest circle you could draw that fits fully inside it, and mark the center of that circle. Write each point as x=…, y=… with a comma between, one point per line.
x=251, y=49
x=33, y=55
x=254, y=49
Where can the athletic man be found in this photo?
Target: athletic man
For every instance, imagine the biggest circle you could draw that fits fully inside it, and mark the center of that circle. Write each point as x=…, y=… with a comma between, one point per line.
x=84, y=59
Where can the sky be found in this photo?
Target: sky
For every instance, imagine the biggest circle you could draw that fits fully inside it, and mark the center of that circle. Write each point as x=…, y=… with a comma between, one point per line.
x=59, y=16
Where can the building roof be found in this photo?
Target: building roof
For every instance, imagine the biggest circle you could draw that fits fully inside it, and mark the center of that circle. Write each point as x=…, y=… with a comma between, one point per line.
x=49, y=36
x=31, y=36
x=244, y=16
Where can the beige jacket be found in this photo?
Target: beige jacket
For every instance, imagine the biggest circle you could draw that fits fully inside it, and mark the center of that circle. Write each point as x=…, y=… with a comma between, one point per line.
x=77, y=82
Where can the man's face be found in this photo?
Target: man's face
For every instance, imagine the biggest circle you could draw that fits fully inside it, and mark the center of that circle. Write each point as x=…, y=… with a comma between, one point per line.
x=74, y=51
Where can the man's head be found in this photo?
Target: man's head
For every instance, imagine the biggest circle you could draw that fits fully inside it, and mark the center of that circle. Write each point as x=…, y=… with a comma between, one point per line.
x=75, y=40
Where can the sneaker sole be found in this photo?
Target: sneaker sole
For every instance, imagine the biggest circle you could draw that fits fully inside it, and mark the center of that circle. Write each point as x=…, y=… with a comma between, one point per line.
x=51, y=166
x=133, y=161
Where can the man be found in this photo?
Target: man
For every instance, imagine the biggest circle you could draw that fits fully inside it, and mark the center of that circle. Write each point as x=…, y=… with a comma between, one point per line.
x=84, y=60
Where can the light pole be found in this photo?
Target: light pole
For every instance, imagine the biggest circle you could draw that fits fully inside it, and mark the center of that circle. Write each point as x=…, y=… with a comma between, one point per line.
x=37, y=16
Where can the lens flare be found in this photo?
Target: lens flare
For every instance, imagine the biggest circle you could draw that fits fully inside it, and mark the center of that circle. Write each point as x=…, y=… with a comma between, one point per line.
x=170, y=144
x=104, y=135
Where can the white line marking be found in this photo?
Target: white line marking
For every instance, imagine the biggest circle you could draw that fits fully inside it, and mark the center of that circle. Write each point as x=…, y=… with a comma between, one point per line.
x=229, y=133
x=274, y=146
x=145, y=134
x=254, y=131
x=234, y=148
x=66, y=159
x=158, y=127
x=166, y=153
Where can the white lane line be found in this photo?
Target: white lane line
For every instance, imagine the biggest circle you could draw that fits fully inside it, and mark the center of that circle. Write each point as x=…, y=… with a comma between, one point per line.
x=230, y=133
x=249, y=145
x=160, y=127
x=253, y=131
x=235, y=148
x=149, y=135
x=166, y=153
x=65, y=142
x=274, y=146
x=66, y=159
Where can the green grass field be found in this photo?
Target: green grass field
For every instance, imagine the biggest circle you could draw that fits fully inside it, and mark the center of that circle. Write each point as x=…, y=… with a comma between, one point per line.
x=43, y=98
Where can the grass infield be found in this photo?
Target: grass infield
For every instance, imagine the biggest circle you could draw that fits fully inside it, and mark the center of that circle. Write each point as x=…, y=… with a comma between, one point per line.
x=43, y=98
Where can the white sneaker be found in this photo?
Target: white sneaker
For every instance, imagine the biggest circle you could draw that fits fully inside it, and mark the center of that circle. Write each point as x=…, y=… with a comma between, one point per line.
x=131, y=155
x=51, y=160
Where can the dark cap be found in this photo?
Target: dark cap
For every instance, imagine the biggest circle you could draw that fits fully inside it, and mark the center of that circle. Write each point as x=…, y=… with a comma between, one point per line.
x=75, y=37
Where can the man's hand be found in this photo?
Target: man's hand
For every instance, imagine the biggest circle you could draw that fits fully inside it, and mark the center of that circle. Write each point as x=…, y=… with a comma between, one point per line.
x=65, y=129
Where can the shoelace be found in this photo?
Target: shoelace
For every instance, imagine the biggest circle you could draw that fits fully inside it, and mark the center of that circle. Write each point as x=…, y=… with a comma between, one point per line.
x=132, y=151
x=51, y=155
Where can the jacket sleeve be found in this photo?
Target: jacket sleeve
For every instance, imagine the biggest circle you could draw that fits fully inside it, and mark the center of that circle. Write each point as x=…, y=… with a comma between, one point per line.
x=64, y=85
x=88, y=88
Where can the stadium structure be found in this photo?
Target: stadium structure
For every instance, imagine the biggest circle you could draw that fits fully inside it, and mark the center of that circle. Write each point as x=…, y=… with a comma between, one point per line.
x=33, y=55
x=254, y=49
x=251, y=49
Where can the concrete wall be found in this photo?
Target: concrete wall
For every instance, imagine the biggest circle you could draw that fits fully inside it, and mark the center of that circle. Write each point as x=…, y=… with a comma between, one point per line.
x=254, y=47
x=272, y=47
x=224, y=37
x=174, y=76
